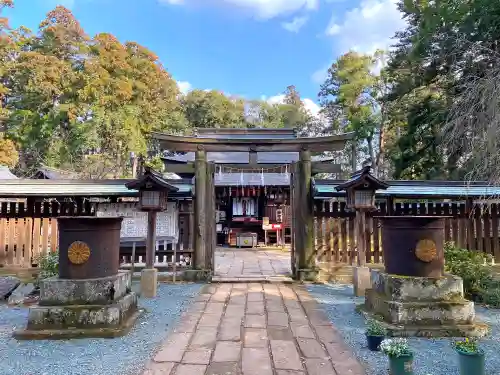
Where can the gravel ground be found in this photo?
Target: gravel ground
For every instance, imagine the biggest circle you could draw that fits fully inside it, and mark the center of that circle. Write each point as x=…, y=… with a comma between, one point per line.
x=121, y=356
x=432, y=356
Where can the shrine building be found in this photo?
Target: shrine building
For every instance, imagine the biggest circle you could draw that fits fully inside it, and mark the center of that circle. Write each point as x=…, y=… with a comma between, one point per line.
x=252, y=189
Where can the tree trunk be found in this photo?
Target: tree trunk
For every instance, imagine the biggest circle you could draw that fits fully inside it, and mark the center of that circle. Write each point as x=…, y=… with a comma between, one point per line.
x=381, y=142
x=371, y=153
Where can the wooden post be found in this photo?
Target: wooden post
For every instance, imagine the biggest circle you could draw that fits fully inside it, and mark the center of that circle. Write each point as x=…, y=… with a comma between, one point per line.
x=132, y=264
x=149, y=275
x=177, y=245
x=360, y=237
x=191, y=225
x=210, y=233
x=306, y=225
x=293, y=219
x=151, y=240
x=200, y=209
x=283, y=235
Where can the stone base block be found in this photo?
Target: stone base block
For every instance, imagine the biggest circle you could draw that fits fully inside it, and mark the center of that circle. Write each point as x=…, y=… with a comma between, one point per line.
x=307, y=275
x=421, y=306
x=197, y=275
x=419, y=312
x=102, y=291
x=75, y=333
x=82, y=316
x=361, y=280
x=474, y=329
x=406, y=288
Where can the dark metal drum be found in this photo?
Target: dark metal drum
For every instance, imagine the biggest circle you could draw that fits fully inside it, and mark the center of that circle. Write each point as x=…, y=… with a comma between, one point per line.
x=89, y=247
x=413, y=246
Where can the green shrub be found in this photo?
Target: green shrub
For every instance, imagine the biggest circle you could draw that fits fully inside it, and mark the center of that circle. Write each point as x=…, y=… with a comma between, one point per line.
x=473, y=267
x=374, y=328
x=48, y=265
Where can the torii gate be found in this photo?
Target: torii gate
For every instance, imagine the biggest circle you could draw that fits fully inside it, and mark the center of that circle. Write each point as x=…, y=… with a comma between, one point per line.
x=254, y=141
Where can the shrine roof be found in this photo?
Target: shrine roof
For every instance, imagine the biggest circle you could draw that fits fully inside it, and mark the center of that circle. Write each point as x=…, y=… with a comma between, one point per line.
x=252, y=179
x=82, y=188
x=426, y=189
x=245, y=133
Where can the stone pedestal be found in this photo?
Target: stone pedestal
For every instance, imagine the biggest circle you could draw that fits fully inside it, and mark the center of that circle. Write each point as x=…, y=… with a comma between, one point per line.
x=103, y=307
x=361, y=280
x=90, y=297
x=149, y=282
x=422, y=306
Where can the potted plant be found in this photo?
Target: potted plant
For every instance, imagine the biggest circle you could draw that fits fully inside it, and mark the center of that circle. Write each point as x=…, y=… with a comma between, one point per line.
x=400, y=356
x=375, y=333
x=470, y=357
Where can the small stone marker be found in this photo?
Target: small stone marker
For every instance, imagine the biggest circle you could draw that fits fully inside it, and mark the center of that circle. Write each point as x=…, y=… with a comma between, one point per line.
x=7, y=285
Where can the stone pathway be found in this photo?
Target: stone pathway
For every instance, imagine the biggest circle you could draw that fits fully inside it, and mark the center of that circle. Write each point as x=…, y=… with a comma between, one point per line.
x=254, y=329
x=251, y=265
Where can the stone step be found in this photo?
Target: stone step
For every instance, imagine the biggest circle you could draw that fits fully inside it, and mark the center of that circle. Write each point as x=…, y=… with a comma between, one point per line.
x=251, y=279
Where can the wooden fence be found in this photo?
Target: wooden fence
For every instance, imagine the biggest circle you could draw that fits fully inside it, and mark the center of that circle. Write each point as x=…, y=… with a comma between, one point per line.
x=474, y=228
x=23, y=240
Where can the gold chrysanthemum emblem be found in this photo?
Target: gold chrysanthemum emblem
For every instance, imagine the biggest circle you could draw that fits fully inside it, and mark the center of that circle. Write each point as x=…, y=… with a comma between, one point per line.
x=78, y=252
x=426, y=250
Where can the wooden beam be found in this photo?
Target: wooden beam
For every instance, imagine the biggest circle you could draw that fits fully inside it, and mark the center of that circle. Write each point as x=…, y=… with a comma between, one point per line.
x=325, y=167
x=192, y=144
x=190, y=168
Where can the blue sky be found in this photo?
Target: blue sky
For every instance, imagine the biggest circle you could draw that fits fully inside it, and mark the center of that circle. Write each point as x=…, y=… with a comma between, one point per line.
x=252, y=48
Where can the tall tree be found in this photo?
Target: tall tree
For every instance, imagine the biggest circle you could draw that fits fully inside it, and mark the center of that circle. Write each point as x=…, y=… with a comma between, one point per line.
x=213, y=109
x=293, y=111
x=80, y=102
x=446, y=46
x=350, y=99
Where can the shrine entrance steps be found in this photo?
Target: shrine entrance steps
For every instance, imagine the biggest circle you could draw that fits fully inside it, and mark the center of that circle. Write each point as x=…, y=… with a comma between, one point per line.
x=252, y=265
x=254, y=329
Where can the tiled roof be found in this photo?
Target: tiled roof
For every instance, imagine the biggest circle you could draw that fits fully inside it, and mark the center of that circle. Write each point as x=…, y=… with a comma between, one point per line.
x=252, y=179
x=89, y=188
x=244, y=133
x=418, y=189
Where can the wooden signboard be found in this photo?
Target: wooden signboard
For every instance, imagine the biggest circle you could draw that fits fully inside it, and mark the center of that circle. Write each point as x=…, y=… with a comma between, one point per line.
x=134, y=222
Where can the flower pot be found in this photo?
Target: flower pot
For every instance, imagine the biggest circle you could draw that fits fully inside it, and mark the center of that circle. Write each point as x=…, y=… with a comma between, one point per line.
x=374, y=342
x=402, y=365
x=471, y=363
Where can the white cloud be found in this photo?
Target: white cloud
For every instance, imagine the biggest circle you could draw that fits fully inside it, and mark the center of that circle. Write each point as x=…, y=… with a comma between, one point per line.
x=265, y=9
x=320, y=75
x=296, y=24
x=368, y=27
x=65, y=3
x=184, y=86
x=173, y=2
x=309, y=104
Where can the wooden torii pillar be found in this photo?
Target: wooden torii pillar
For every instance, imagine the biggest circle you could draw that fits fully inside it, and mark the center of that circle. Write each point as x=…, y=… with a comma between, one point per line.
x=304, y=222
x=200, y=191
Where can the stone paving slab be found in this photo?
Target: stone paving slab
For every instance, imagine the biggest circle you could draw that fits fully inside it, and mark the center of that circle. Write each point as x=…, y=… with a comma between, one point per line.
x=261, y=265
x=254, y=329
